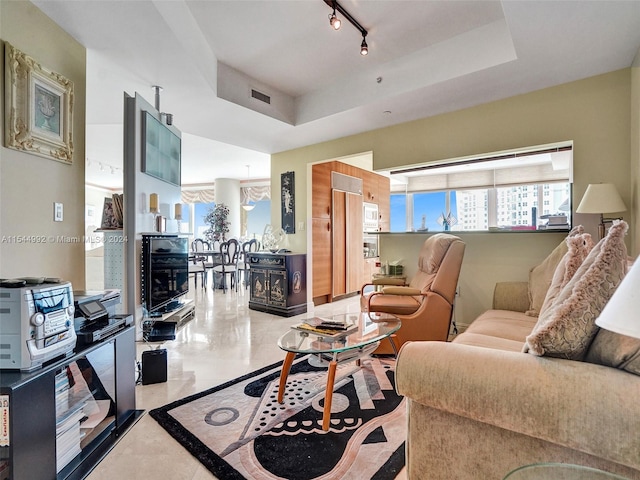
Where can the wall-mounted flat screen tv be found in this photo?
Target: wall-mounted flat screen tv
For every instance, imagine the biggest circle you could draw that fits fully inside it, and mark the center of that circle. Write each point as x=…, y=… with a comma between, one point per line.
x=161, y=150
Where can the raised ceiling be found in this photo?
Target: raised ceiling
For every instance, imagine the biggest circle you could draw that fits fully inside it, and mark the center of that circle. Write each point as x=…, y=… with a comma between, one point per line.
x=425, y=58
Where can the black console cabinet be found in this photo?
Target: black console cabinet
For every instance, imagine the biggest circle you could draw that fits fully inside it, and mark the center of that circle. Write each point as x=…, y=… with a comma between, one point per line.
x=278, y=283
x=39, y=404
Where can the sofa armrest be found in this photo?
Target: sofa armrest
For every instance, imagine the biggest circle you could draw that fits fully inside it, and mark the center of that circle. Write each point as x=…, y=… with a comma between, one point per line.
x=512, y=296
x=587, y=407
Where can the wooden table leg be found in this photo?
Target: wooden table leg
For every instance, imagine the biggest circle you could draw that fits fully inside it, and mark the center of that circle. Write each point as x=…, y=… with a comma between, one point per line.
x=286, y=366
x=328, y=395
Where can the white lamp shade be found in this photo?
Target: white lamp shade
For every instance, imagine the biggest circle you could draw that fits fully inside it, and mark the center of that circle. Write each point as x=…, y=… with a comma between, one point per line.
x=621, y=313
x=248, y=206
x=601, y=198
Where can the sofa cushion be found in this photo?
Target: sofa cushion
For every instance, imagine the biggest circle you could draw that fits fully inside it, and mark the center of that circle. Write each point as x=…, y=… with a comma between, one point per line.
x=540, y=279
x=578, y=247
x=615, y=350
x=503, y=324
x=488, y=341
x=568, y=327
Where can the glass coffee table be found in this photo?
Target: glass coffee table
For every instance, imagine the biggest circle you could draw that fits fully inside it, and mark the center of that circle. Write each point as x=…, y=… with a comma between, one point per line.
x=330, y=350
x=560, y=471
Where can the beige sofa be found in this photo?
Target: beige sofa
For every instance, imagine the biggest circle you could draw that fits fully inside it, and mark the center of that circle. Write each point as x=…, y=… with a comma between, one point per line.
x=478, y=407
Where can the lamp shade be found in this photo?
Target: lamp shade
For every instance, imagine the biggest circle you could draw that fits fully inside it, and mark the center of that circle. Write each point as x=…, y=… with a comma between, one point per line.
x=153, y=203
x=620, y=314
x=601, y=198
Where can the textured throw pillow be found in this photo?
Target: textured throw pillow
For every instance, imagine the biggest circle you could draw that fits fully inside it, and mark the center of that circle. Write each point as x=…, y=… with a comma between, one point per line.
x=615, y=350
x=567, y=328
x=579, y=247
x=540, y=278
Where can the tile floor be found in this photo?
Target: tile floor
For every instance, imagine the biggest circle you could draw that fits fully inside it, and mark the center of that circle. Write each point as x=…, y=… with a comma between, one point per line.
x=223, y=341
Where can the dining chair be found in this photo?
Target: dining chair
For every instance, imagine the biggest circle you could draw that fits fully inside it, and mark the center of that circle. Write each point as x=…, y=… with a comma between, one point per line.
x=196, y=267
x=229, y=251
x=243, y=261
x=202, y=250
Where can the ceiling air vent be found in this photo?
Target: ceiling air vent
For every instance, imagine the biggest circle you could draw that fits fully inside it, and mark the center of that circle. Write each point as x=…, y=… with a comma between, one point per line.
x=260, y=96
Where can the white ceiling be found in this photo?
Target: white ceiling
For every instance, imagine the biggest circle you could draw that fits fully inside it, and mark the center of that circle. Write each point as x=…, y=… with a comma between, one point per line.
x=426, y=58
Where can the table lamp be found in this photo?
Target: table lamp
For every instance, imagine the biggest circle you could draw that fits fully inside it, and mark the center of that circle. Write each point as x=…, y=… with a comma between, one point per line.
x=601, y=198
x=620, y=314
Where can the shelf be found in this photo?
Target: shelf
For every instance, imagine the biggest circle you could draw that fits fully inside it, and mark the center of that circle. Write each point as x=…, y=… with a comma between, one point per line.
x=69, y=429
x=473, y=232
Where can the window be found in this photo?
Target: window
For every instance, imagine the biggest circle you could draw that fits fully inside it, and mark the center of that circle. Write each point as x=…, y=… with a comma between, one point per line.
x=480, y=194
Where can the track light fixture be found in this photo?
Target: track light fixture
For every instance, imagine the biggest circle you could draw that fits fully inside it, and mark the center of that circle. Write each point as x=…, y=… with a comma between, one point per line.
x=335, y=23
x=364, y=48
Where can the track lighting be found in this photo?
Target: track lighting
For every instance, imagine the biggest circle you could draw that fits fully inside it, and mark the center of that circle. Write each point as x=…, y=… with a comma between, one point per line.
x=364, y=48
x=335, y=23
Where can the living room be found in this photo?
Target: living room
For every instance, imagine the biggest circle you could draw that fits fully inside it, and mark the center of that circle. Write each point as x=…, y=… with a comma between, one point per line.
x=599, y=114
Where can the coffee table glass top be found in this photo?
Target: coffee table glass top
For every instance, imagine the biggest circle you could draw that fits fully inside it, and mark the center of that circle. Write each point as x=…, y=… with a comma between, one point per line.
x=560, y=471
x=372, y=327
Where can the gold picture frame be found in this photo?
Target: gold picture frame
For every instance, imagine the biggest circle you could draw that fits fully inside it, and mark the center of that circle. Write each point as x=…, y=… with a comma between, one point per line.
x=38, y=108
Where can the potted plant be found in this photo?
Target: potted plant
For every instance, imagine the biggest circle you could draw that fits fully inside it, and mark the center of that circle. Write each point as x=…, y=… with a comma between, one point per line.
x=216, y=218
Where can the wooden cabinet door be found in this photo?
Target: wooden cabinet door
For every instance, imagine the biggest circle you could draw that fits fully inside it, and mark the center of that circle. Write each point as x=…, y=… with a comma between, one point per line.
x=354, y=246
x=369, y=186
x=384, y=209
x=278, y=291
x=322, y=260
x=321, y=190
x=339, y=242
x=347, y=243
x=259, y=285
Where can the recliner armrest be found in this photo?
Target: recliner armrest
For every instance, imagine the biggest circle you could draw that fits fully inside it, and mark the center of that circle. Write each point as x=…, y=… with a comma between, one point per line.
x=401, y=291
x=389, y=281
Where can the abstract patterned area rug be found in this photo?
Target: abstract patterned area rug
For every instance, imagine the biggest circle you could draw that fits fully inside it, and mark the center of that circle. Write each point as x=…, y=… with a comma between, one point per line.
x=238, y=430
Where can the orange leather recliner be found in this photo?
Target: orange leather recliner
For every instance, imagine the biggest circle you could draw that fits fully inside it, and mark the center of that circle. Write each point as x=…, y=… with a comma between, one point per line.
x=425, y=306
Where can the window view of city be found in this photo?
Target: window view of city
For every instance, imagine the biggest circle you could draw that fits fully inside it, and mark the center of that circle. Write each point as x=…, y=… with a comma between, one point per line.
x=524, y=189
x=526, y=207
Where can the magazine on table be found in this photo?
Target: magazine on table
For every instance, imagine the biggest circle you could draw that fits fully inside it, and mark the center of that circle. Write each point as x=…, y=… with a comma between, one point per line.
x=327, y=327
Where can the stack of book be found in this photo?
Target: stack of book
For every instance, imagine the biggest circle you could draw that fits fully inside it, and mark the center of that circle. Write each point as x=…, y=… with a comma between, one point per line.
x=326, y=328
x=68, y=419
x=555, y=222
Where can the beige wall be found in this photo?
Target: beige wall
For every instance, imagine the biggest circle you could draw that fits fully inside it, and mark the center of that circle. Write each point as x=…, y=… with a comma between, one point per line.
x=29, y=185
x=594, y=113
x=635, y=150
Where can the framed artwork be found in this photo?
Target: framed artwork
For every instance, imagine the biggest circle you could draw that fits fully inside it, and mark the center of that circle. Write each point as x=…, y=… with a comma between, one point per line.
x=161, y=150
x=38, y=108
x=109, y=221
x=287, y=186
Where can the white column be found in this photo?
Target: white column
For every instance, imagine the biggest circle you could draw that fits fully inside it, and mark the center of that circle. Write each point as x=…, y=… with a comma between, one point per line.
x=228, y=192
